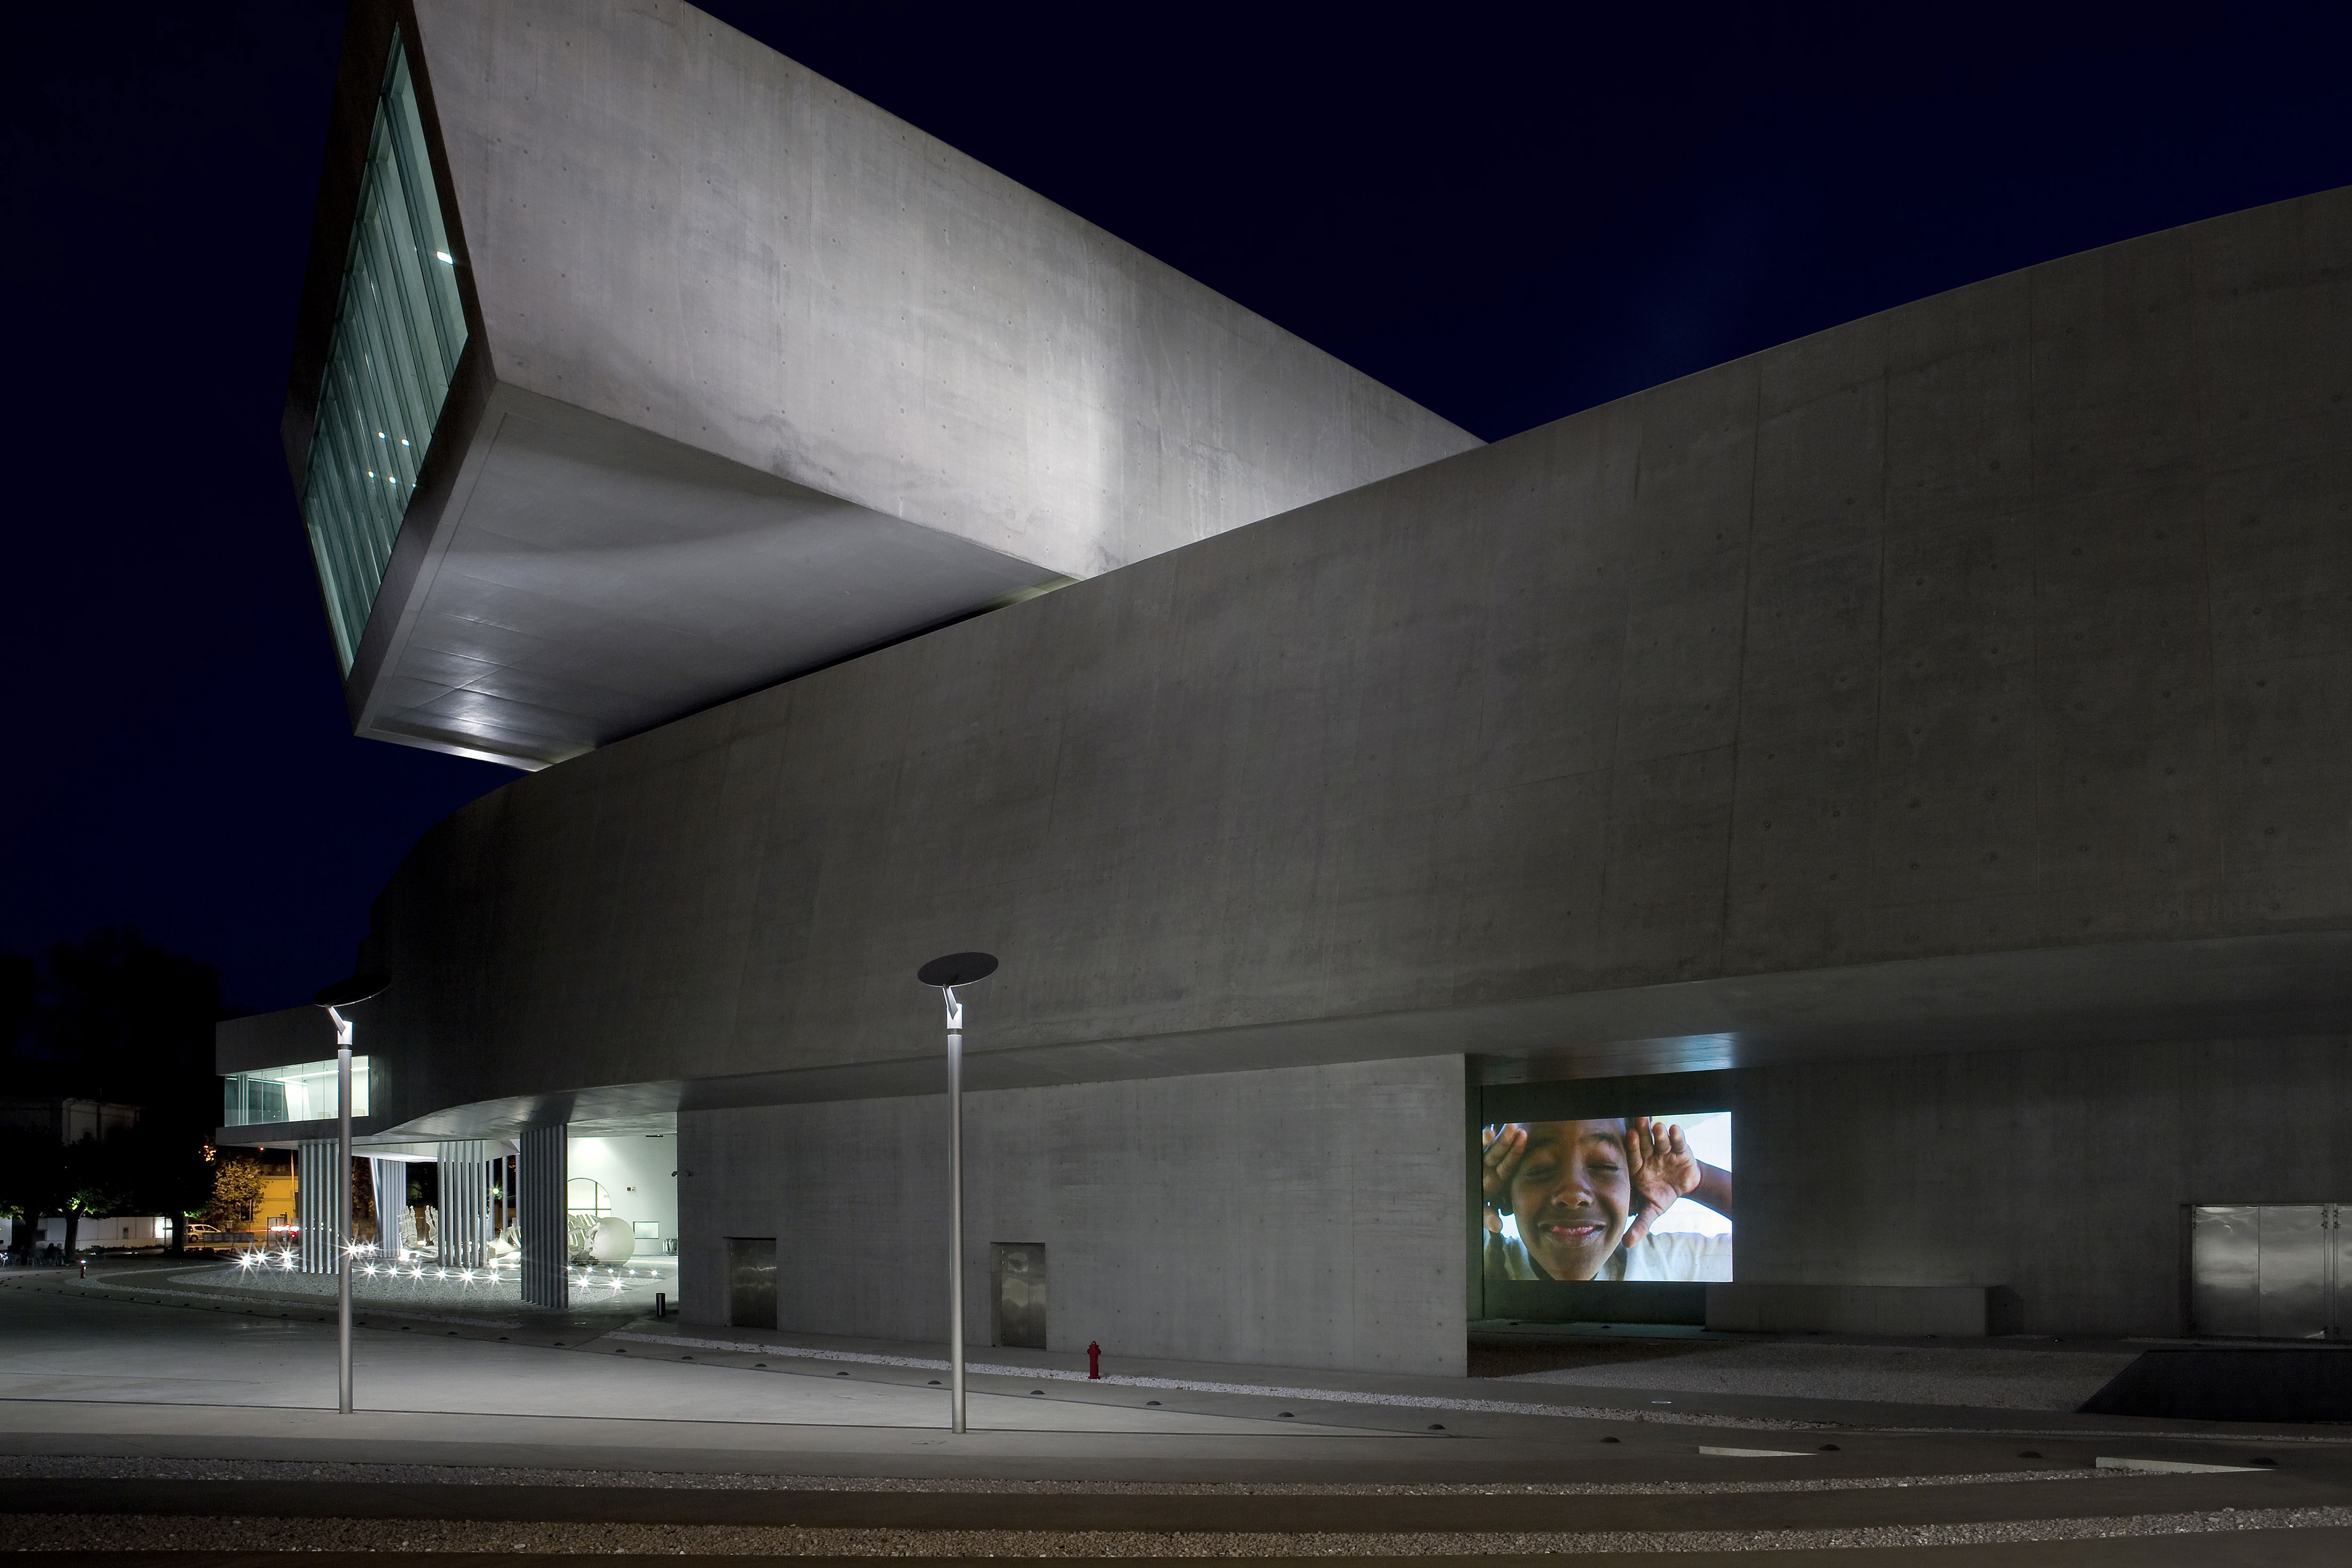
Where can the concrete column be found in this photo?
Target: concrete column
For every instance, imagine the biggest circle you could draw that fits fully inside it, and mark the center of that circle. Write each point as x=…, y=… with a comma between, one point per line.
x=464, y=1204
x=540, y=1173
x=315, y=1203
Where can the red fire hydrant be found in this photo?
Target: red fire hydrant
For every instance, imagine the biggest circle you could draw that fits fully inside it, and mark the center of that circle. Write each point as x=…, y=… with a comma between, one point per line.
x=1093, y=1359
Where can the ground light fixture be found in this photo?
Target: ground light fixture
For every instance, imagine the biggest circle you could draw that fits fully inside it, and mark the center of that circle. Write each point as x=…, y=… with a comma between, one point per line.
x=946, y=974
x=335, y=998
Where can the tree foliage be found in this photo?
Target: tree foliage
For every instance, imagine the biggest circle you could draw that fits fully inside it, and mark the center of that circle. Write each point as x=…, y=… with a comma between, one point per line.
x=111, y=1018
x=238, y=1187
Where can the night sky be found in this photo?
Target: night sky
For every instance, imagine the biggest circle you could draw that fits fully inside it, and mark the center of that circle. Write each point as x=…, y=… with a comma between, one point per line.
x=1505, y=219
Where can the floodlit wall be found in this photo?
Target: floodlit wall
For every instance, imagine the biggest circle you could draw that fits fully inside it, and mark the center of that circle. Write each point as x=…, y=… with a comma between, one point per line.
x=2007, y=621
x=2061, y=1174
x=638, y=1173
x=672, y=225
x=1303, y=1217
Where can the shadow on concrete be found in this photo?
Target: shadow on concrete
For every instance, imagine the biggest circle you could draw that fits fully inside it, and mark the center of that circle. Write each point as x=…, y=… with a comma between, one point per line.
x=2268, y=1383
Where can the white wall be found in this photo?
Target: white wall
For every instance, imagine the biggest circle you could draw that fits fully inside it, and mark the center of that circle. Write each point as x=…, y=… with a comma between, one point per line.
x=635, y=1172
x=1301, y=1216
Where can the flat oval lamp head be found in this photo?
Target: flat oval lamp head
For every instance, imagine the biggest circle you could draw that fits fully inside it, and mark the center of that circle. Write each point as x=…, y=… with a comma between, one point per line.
x=958, y=969
x=350, y=992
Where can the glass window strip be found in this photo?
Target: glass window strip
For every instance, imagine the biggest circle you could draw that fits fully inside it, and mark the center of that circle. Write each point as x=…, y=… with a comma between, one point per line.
x=398, y=335
x=448, y=308
x=300, y=1091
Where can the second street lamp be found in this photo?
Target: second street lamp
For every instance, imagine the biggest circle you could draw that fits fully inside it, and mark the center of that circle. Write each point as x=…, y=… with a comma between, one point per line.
x=334, y=998
x=946, y=974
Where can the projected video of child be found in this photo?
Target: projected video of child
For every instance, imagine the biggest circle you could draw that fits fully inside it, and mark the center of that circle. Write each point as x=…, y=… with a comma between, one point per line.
x=1618, y=1198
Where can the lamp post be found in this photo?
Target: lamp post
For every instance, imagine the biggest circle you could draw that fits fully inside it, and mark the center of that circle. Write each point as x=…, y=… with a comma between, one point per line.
x=344, y=993
x=946, y=974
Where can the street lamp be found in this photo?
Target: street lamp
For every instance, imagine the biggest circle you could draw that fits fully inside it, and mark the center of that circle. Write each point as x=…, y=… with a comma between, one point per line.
x=334, y=998
x=946, y=974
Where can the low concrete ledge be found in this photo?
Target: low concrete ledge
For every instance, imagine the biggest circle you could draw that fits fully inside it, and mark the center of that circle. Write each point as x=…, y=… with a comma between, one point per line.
x=1957, y=1311
x=1595, y=1301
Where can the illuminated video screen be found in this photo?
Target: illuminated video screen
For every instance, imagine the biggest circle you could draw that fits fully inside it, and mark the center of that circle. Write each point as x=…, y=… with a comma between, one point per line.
x=1618, y=1198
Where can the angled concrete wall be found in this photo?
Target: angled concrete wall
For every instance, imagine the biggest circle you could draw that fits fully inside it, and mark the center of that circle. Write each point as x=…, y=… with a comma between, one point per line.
x=671, y=225
x=759, y=378
x=2008, y=622
x=1302, y=1218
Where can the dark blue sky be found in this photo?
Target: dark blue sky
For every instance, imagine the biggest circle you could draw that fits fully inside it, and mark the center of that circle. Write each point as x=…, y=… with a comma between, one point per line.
x=1506, y=218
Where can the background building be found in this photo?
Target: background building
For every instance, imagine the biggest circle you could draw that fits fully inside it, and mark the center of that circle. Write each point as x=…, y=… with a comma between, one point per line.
x=1924, y=741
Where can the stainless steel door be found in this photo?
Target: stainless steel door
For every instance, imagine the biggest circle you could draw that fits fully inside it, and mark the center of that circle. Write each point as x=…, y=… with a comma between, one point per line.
x=2269, y=1271
x=751, y=1281
x=1021, y=1295
x=2225, y=1268
x=2340, y=1242
x=2294, y=1271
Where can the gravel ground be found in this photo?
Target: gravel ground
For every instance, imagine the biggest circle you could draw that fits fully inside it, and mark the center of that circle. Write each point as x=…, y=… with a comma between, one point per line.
x=1984, y=1377
x=143, y=1467
x=94, y=1532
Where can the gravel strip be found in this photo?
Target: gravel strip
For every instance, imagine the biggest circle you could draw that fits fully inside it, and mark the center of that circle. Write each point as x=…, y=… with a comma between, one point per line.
x=97, y=1532
x=144, y=1467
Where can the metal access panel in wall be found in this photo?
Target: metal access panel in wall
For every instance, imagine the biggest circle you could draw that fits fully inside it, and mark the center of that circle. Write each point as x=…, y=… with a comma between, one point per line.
x=751, y=1281
x=1021, y=1295
x=2275, y=1271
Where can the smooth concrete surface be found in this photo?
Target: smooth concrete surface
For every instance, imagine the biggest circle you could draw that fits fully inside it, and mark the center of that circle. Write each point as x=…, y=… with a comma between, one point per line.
x=2062, y=1174
x=624, y=1444
x=1990, y=625
x=176, y=1355
x=1954, y=1310
x=588, y=580
x=75, y=1346
x=761, y=376
x=2009, y=1376
x=1308, y=1217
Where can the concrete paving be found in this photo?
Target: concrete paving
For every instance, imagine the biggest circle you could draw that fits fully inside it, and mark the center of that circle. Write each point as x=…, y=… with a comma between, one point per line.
x=1984, y=1377
x=132, y=1426
x=59, y=1349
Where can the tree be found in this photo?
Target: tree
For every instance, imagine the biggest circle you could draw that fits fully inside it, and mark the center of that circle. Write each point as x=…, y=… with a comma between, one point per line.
x=121, y=1019
x=168, y=1171
x=239, y=1183
x=20, y=991
x=128, y=1021
x=33, y=1180
x=97, y=1183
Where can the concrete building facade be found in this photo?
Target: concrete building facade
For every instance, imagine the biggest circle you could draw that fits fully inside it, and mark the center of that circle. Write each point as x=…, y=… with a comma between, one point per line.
x=1924, y=740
